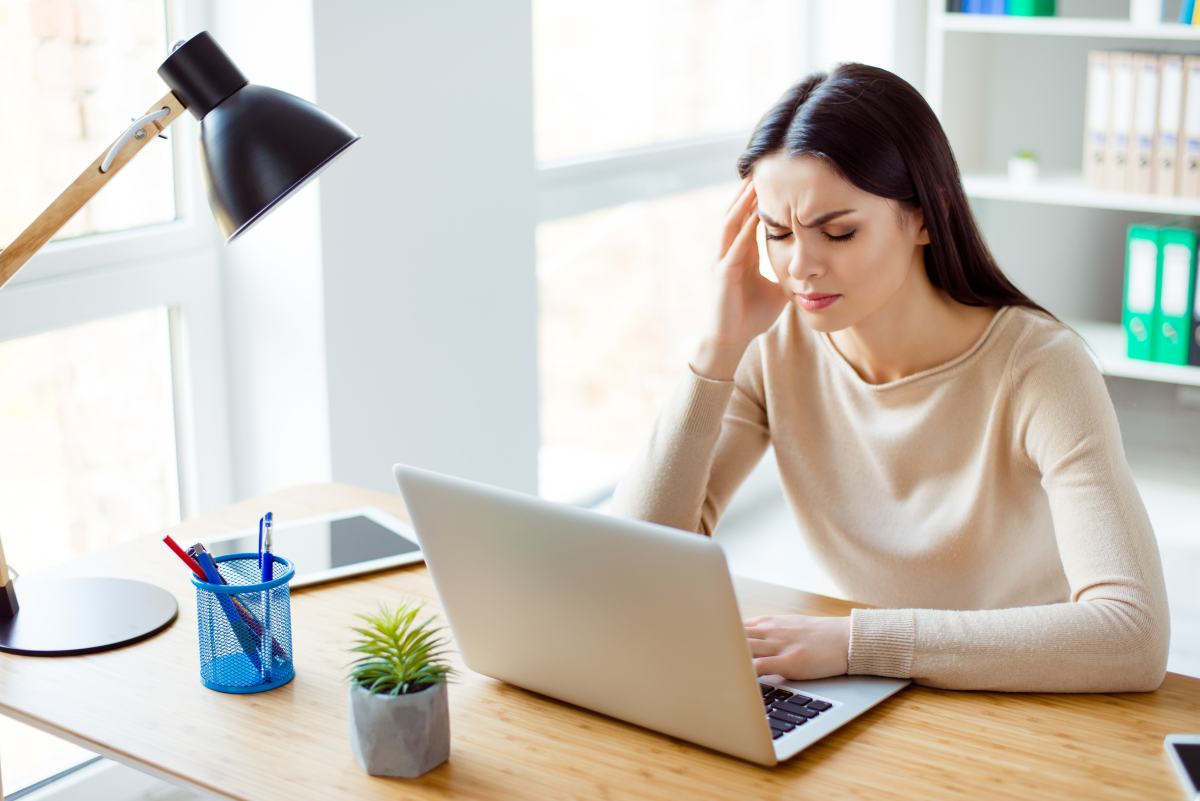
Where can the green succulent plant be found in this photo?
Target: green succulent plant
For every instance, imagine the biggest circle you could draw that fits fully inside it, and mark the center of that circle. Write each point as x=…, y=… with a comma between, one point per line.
x=400, y=654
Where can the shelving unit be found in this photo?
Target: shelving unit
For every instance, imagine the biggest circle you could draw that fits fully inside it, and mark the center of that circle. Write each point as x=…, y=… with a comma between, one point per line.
x=1068, y=189
x=1000, y=84
x=1107, y=342
x=1059, y=26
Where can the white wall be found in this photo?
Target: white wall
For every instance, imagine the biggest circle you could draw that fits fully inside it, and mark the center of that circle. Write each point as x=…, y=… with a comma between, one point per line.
x=884, y=33
x=427, y=239
x=274, y=306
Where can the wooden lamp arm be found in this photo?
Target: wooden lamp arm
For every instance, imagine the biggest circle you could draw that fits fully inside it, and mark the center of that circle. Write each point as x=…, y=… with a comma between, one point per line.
x=84, y=188
x=8, y=596
x=4, y=576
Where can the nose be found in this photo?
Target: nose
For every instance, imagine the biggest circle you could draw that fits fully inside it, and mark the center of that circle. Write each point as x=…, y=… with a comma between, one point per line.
x=803, y=263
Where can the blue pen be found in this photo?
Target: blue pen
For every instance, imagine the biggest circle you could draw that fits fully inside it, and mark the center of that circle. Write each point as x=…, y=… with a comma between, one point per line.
x=245, y=636
x=260, y=529
x=267, y=563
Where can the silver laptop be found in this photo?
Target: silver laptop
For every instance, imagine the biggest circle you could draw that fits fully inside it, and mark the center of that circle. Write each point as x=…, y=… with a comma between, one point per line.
x=626, y=618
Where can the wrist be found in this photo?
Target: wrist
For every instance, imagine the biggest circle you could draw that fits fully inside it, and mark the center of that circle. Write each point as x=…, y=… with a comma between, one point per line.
x=717, y=360
x=844, y=644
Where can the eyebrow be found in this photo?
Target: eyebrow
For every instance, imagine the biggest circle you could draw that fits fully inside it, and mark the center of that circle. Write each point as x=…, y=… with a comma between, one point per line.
x=824, y=218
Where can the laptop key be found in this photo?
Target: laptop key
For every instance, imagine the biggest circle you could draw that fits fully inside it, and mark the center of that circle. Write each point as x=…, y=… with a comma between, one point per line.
x=797, y=710
x=820, y=706
x=776, y=734
x=797, y=698
x=786, y=717
x=778, y=695
x=781, y=725
x=766, y=688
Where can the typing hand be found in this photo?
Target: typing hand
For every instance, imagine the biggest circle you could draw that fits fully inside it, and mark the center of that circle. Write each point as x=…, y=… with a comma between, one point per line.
x=798, y=646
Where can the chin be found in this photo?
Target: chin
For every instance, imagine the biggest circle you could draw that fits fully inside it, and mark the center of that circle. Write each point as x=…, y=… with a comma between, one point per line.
x=828, y=320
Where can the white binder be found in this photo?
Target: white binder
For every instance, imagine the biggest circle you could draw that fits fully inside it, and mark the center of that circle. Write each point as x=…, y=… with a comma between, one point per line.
x=1099, y=104
x=1120, y=126
x=1140, y=177
x=1170, y=121
x=1189, y=167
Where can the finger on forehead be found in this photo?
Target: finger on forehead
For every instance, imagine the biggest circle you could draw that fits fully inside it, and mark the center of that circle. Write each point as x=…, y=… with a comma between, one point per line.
x=746, y=188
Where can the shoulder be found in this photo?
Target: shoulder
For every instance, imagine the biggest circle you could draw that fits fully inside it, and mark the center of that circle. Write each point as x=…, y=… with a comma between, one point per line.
x=1060, y=398
x=1042, y=348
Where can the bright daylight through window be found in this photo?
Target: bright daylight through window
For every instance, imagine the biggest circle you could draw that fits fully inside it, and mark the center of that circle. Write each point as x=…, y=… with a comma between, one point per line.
x=624, y=291
x=71, y=74
x=88, y=460
x=627, y=73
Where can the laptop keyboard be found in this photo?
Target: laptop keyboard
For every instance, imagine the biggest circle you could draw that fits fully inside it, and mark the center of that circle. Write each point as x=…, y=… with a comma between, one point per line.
x=786, y=709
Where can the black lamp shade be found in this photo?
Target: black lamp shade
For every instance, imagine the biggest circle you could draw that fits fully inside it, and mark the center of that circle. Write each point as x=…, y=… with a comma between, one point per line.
x=257, y=145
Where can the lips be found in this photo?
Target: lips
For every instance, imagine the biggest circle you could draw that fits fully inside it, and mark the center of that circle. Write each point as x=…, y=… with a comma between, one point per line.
x=815, y=301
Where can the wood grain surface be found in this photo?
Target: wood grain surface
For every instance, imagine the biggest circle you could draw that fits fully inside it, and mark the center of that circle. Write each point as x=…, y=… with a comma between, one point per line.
x=76, y=196
x=144, y=706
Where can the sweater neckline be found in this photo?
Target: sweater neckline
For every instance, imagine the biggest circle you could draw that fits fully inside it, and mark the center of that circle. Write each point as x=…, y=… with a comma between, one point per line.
x=845, y=366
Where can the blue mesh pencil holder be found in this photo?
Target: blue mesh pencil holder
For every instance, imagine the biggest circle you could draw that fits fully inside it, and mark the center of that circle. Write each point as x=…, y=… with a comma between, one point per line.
x=245, y=626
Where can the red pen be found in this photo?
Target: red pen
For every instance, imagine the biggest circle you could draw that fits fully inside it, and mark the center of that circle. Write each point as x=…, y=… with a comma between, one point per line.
x=187, y=560
x=245, y=614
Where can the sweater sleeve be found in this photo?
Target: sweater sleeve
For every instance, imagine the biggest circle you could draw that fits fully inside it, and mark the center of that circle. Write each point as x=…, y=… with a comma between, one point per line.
x=705, y=441
x=1112, y=635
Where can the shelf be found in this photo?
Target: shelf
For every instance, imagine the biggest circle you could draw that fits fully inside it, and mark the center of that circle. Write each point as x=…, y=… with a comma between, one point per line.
x=1107, y=340
x=1067, y=189
x=1065, y=26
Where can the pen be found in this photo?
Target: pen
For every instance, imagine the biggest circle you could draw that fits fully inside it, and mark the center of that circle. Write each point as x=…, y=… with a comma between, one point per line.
x=243, y=633
x=268, y=564
x=260, y=530
x=245, y=613
x=187, y=560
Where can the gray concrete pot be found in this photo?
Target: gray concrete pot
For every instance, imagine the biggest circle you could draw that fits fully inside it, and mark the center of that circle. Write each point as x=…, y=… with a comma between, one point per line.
x=400, y=735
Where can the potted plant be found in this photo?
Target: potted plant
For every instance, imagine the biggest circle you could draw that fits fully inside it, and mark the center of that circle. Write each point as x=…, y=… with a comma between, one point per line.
x=399, y=715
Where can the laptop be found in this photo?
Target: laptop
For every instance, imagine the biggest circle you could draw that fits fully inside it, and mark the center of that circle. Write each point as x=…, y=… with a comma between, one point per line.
x=626, y=618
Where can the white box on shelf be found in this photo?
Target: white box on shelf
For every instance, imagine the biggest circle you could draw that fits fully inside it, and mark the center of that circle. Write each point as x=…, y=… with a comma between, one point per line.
x=1145, y=12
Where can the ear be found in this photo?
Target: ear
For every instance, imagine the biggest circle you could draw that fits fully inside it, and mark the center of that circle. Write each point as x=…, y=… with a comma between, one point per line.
x=918, y=220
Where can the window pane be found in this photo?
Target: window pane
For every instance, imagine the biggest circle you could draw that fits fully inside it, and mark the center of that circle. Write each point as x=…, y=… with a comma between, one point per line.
x=72, y=75
x=87, y=460
x=87, y=422
x=626, y=73
x=624, y=296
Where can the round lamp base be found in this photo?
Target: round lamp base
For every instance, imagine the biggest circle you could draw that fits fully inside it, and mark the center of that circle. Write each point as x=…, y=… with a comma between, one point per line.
x=68, y=617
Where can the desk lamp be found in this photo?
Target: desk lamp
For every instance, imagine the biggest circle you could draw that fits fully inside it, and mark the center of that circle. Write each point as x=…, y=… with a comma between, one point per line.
x=257, y=147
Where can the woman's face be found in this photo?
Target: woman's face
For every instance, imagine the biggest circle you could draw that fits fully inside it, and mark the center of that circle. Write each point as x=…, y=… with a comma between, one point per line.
x=841, y=254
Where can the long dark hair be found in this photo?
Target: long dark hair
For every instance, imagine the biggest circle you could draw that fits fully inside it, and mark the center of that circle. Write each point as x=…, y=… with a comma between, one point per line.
x=880, y=134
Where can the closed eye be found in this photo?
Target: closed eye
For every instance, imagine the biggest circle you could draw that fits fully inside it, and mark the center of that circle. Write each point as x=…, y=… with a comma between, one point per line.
x=842, y=238
x=777, y=237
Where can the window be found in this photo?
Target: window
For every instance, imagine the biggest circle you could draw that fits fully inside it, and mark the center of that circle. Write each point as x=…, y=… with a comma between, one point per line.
x=628, y=73
x=108, y=340
x=640, y=112
x=87, y=421
x=89, y=460
x=72, y=73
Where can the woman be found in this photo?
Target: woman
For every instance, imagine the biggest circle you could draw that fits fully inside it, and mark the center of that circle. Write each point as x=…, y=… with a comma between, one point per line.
x=948, y=447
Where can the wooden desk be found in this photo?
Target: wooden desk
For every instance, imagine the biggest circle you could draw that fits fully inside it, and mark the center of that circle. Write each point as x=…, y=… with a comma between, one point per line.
x=144, y=706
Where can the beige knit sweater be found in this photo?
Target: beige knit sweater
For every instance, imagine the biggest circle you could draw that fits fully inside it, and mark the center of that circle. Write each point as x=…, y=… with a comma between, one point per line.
x=985, y=504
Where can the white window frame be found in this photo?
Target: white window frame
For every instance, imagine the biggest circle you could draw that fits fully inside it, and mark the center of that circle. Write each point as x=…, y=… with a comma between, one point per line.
x=570, y=186
x=174, y=264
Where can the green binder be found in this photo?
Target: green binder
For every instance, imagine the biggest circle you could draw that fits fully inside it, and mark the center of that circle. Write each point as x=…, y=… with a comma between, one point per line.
x=1029, y=8
x=1142, y=265
x=1171, y=330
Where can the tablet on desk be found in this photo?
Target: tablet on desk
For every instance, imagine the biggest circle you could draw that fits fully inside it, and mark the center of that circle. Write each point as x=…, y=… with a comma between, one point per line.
x=333, y=546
